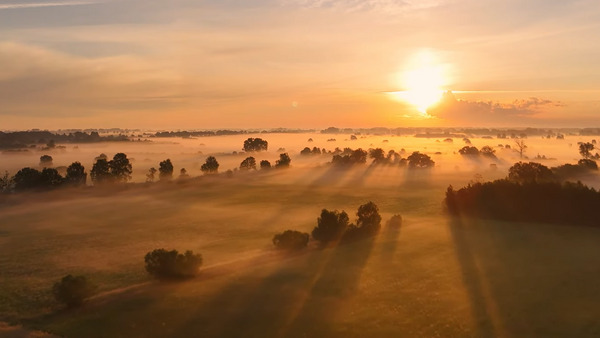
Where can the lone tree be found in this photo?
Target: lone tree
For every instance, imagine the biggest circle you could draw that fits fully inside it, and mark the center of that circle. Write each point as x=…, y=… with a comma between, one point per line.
x=101, y=172
x=488, y=152
x=76, y=175
x=330, y=226
x=291, y=240
x=73, y=290
x=183, y=174
x=255, y=144
x=249, y=163
x=211, y=166
x=165, y=170
x=585, y=149
x=469, y=151
x=521, y=146
x=420, y=161
x=264, y=164
x=120, y=168
x=171, y=264
x=283, y=161
x=46, y=161
x=530, y=172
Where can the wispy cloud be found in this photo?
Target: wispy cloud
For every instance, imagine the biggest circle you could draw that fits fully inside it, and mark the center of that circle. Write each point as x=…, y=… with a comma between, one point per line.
x=45, y=4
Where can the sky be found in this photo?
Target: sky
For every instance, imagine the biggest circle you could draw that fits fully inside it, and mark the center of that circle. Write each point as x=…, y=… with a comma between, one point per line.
x=210, y=64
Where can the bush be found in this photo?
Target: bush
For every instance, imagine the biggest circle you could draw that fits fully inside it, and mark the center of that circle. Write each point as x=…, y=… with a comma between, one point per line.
x=171, y=264
x=291, y=240
x=73, y=290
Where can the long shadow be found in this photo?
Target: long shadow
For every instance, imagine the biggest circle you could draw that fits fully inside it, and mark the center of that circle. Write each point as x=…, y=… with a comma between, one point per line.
x=472, y=280
x=335, y=285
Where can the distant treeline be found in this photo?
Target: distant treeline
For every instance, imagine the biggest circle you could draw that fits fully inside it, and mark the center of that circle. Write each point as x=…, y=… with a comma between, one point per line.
x=201, y=133
x=23, y=139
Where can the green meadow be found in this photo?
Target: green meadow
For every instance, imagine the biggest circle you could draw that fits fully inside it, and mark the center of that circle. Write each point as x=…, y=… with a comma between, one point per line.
x=434, y=277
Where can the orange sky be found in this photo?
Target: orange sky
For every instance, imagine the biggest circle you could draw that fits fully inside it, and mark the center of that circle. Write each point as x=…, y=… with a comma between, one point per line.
x=298, y=64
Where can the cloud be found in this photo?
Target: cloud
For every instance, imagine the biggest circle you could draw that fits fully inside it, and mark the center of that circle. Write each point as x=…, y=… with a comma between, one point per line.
x=386, y=6
x=520, y=112
x=45, y=4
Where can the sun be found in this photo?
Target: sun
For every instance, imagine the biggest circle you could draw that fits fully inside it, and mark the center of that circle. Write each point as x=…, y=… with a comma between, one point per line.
x=423, y=82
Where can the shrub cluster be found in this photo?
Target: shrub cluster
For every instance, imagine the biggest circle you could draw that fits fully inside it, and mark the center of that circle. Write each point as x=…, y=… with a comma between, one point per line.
x=73, y=290
x=171, y=264
x=291, y=240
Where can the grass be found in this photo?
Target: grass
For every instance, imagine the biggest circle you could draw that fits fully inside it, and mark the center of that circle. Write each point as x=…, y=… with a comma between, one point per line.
x=434, y=277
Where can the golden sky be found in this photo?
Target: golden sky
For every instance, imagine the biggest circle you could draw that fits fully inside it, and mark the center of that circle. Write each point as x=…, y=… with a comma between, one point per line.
x=298, y=63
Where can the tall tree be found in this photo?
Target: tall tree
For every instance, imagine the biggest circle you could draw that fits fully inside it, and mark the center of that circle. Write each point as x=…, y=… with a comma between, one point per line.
x=120, y=168
x=211, y=166
x=100, y=172
x=165, y=170
x=76, y=174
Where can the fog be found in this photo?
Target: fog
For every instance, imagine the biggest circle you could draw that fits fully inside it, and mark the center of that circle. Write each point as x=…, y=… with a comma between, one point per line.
x=432, y=271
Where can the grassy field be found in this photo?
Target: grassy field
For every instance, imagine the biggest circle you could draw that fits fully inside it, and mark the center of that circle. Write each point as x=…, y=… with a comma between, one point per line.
x=436, y=276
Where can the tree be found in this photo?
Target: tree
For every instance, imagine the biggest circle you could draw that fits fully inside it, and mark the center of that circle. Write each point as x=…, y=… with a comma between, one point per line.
x=46, y=161
x=378, y=155
x=183, y=174
x=330, y=226
x=488, y=152
x=306, y=151
x=530, y=172
x=368, y=222
x=283, y=161
x=50, y=178
x=255, y=144
x=76, y=174
x=291, y=240
x=27, y=178
x=469, y=151
x=264, y=164
x=585, y=149
x=73, y=290
x=165, y=170
x=521, y=146
x=100, y=172
x=151, y=175
x=120, y=168
x=419, y=161
x=249, y=163
x=6, y=183
x=588, y=164
x=171, y=264
x=358, y=156
x=211, y=166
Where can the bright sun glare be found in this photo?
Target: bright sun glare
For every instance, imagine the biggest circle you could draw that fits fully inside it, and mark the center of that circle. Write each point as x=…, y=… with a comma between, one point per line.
x=423, y=82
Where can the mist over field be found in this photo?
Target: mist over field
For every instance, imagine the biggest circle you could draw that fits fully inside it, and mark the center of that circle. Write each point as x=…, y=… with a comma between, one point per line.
x=436, y=275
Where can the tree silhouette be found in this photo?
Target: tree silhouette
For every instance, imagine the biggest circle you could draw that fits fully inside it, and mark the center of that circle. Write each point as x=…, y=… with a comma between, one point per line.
x=419, y=161
x=585, y=149
x=378, y=155
x=469, y=151
x=76, y=174
x=330, y=226
x=249, y=163
x=151, y=175
x=100, y=172
x=73, y=290
x=521, y=146
x=165, y=170
x=50, y=178
x=529, y=172
x=6, y=183
x=120, y=168
x=264, y=164
x=368, y=222
x=291, y=240
x=27, y=178
x=171, y=264
x=183, y=174
x=488, y=152
x=283, y=161
x=46, y=161
x=255, y=144
x=211, y=166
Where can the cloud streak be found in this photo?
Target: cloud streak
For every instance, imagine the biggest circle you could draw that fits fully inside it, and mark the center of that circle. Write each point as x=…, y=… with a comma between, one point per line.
x=44, y=4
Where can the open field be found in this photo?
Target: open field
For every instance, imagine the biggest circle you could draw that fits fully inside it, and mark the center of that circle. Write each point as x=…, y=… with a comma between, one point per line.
x=435, y=277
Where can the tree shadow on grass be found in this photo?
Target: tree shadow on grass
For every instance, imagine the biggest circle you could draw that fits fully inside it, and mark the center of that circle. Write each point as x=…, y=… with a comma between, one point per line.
x=299, y=298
